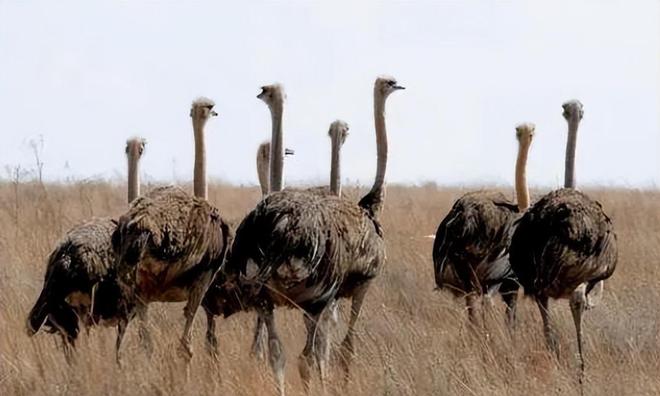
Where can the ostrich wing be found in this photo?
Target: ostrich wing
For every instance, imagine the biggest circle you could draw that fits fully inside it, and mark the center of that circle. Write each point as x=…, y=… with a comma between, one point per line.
x=565, y=239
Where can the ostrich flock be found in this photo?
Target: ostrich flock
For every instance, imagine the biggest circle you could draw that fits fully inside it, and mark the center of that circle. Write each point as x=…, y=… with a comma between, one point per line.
x=308, y=248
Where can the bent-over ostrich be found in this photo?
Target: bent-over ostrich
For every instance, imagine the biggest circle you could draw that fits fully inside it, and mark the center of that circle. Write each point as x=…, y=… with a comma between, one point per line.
x=80, y=283
x=470, y=252
x=170, y=244
x=564, y=245
x=302, y=249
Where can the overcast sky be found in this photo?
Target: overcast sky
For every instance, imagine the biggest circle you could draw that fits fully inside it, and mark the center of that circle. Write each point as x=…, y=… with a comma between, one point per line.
x=87, y=76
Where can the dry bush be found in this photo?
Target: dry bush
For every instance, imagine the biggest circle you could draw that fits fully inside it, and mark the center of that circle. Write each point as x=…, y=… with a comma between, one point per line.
x=413, y=340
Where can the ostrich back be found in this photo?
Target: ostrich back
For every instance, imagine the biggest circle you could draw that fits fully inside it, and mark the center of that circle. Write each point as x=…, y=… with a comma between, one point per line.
x=564, y=240
x=307, y=248
x=166, y=241
x=81, y=259
x=472, y=241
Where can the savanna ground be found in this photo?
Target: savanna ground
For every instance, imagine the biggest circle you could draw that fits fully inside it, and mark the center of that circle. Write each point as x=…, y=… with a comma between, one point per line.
x=412, y=339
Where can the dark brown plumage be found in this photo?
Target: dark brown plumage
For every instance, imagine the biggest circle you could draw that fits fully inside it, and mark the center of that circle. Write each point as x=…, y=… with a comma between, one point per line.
x=470, y=251
x=80, y=284
x=564, y=240
x=304, y=249
x=169, y=246
x=564, y=245
x=81, y=260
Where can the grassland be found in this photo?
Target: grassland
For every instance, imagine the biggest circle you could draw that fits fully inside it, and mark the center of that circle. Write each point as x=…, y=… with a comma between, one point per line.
x=413, y=340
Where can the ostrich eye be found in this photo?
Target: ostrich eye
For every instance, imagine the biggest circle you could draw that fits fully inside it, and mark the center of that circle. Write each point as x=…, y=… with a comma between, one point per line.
x=390, y=83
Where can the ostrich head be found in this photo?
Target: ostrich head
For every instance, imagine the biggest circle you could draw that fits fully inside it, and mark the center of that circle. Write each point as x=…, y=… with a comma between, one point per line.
x=338, y=130
x=385, y=85
x=202, y=110
x=273, y=95
x=263, y=152
x=135, y=147
x=525, y=132
x=573, y=110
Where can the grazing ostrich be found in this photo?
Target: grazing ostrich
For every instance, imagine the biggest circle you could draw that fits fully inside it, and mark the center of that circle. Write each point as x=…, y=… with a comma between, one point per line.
x=80, y=283
x=564, y=245
x=302, y=249
x=470, y=252
x=170, y=244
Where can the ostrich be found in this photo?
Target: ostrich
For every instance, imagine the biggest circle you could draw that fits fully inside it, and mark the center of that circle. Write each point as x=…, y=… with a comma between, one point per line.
x=564, y=245
x=170, y=244
x=80, y=283
x=263, y=166
x=215, y=297
x=470, y=252
x=302, y=249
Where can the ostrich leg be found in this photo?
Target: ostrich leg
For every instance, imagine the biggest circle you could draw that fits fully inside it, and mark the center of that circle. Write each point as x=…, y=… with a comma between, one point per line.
x=347, y=349
x=316, y=349
x=260, y=339
x=211, y=339
x=189, y=311
x=143, y=330
x=578, y=304
x=276, y=356
x=509, y=293
x=548, y=328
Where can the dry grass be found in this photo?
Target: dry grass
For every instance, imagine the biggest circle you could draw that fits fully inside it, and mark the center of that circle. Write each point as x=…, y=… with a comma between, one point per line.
x=412, y=340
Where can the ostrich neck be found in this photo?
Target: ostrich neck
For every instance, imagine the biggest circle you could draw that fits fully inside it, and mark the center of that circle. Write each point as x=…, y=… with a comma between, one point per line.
x=200, y=188
x=522, y=190
x=381, y=142
x=133, y=176
x=335, y=174
x=262, y=172
x=276, y=150
x=569, y=176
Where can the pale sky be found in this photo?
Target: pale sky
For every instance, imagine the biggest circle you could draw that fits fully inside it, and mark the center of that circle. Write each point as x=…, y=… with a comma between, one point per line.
x=87, y=76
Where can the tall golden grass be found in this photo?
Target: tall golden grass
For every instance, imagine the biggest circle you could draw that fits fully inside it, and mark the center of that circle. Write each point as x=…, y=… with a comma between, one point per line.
x=412, y=339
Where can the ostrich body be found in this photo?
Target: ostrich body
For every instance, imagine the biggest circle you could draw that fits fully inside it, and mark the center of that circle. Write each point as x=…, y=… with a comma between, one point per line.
x=170, y=244
x=216, y=297
x=564, y=245
x=470, y=252
x=80, y=283
x=303, y=249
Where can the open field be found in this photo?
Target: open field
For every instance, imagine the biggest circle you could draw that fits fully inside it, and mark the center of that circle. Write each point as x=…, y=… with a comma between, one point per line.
x=412, y=340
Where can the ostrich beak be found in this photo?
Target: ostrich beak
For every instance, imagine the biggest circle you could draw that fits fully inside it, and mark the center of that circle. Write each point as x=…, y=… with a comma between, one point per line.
x=288, y=151
x=398, y=87
x=214, y=113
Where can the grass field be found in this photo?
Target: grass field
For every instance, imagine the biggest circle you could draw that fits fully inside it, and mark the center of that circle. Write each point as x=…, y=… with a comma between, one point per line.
x=412, y=340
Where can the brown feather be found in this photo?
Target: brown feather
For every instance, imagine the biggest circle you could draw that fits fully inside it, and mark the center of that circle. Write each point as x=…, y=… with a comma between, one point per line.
x=564, y=240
